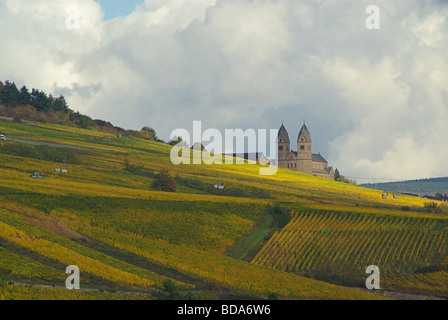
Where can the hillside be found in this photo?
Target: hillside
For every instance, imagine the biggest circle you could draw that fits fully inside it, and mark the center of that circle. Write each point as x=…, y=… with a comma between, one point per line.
x=421, y=187
x=290, y=235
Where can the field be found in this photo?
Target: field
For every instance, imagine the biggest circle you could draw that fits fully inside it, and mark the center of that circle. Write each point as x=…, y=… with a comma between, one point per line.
x=290, y=235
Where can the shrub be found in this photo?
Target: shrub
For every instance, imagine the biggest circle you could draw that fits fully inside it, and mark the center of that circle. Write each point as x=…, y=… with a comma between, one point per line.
x=431, y=207
x=170, y=287
x=272, y=296
x=164, y=182
x=138, y=170
x=443, y=208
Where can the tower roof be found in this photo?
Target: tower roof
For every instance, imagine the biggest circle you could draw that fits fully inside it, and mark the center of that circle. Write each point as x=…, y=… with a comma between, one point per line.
x=305, y=132
x=283, y=133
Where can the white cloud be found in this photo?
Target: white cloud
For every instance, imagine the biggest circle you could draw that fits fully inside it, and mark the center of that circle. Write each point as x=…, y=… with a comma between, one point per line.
x=37, y=48
x=375, y=100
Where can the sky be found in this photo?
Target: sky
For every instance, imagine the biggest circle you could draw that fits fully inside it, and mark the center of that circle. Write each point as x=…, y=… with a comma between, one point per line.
x=118, y=8
x=375, y=101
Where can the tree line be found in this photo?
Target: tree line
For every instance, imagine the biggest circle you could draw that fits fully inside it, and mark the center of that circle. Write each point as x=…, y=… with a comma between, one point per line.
x=13, y=97
x=37, y=105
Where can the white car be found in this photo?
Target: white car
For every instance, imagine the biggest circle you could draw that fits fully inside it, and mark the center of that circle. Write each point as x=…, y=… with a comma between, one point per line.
x=2, y=137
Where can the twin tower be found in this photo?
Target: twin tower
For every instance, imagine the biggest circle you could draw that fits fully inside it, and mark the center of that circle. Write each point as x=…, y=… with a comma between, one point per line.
x=303, y=159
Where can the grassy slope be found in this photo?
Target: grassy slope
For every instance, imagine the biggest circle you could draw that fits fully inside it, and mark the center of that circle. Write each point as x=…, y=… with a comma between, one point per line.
x=184, y=235
x=252, y=242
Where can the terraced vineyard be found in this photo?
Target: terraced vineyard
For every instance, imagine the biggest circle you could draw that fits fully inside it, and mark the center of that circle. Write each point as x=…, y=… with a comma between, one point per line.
x=339, y=246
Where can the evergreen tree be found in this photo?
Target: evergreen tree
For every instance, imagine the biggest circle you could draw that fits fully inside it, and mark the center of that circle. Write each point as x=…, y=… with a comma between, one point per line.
x=337, y=175
x=25, y=96
x=10, y=95
x=60, y=104
x=40, y=100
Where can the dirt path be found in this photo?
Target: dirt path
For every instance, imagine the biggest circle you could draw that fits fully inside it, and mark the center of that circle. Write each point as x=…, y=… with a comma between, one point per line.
x=58, y=145
x=59, y=229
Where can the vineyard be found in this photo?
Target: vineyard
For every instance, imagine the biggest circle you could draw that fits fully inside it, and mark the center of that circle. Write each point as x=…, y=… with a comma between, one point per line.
x=339, y=247
x=13, y=265
x=313, y=237
x=69, y=253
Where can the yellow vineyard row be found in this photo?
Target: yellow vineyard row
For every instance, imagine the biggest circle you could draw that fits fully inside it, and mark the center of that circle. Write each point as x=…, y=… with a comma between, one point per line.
x=70, y=257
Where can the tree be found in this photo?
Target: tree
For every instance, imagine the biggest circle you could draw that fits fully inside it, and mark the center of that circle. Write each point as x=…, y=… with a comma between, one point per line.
x=171, y=288
x=2, y=86
x=85, y=122
x=72, y=116
x=60, y=104
x=25, y=96
x=40, y=100
x=164, y=182
x=10, y=95
x=177, y=140
x=337, y=175
x=24, y=112
x=340, y=178
x=149, y=134
x=431, y=207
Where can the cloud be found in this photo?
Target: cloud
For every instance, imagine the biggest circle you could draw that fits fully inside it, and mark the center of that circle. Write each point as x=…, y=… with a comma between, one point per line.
x=37, y=49
x=85, y=92
x=375, y=100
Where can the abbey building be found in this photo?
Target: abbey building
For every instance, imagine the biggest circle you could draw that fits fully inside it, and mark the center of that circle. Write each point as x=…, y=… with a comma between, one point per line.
x=303, y=159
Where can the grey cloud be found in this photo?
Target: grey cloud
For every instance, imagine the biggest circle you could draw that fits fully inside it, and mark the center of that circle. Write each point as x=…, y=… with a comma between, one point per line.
x=84, y=91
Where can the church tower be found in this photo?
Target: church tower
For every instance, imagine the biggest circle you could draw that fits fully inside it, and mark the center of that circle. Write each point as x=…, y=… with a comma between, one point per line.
x=283, y=146
x=304, y=155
